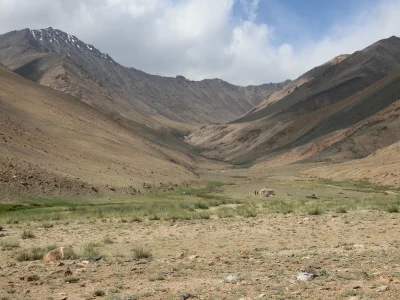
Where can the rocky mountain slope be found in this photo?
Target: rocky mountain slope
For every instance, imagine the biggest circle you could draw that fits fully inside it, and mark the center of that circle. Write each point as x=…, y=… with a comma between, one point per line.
x=177, y=99
x=52, y=143
x=381, y=167
x=328, y=99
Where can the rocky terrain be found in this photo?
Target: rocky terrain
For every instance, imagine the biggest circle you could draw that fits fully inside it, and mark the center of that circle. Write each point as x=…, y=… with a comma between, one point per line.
x=256, y=249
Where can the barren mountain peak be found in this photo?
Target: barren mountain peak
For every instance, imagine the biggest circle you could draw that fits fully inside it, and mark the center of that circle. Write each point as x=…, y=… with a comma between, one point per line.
x=64, y=42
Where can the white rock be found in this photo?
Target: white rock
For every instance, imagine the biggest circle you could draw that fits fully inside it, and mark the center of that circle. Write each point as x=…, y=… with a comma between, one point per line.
x=305, y=276
x=382, y=288
x=234, y=277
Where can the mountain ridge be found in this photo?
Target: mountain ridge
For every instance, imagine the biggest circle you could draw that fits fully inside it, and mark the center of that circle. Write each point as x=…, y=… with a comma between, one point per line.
x=336, y=97
x=178, y=99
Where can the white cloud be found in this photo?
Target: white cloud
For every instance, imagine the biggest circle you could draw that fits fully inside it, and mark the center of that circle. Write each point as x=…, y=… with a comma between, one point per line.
x=197, y=38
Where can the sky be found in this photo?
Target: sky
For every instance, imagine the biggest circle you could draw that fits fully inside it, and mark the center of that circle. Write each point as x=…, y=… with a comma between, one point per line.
x=241, y=41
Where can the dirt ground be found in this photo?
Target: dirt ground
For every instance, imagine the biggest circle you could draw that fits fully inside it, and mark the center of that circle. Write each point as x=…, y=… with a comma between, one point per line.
x=355, y=255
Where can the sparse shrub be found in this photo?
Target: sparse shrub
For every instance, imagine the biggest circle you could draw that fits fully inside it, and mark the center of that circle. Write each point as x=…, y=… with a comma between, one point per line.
x=348, y=293
x=392, y=209
x=71, y=279
x=147, y=294
x=225, y=213
x=99, y=293
x=35, y=253
x=113, y=290
x=341, y=210
x=56, y=218
x=89, y=251
x=9, y=244
x=201, y=205
x=323, y=272
x=157, y=277
x=1, y=228
x=140, y=252
x=315, y=212
x=204, y=216
x=47, y=225
x=12, y=221
x=69, y=253
x=154, y=218
x=108, y=240
x=27, y=234
x=136, y=220
x=247, y=211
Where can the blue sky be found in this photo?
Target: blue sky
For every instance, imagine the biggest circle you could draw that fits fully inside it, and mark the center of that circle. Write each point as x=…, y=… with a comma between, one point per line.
x=241, y=41
x=299, y=21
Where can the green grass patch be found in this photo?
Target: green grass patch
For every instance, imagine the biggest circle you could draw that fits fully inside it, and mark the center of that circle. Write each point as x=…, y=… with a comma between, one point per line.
x=207, y=202
x=392, y=209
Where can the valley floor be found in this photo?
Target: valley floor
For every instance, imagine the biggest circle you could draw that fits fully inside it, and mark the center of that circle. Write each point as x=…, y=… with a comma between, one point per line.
x=185, y=243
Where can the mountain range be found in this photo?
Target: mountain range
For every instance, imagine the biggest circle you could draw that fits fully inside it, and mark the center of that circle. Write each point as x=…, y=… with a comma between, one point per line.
x=328, y=105
x=76, y=121
x=35, y=54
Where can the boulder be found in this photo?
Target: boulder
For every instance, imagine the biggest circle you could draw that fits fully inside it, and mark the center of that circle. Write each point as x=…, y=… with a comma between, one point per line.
x=57, y=254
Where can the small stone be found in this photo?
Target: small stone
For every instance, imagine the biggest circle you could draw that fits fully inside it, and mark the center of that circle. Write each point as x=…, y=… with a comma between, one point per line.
x=180, y=255
x=82, y=285
x=261, y=296
x=306, y=276
x=382, y=288
x=193, y=257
